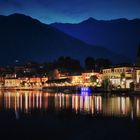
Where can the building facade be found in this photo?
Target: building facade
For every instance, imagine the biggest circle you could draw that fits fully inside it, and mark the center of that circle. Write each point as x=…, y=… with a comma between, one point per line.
x=120, y=76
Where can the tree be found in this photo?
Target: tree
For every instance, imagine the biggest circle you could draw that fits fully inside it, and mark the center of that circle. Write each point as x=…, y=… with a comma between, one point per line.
x=102, y=63
x=132, y=86
x=106, y=84
x=68, y=63
x=122, y=79
x=93, y=78
x=122, y=76
x=89, y=63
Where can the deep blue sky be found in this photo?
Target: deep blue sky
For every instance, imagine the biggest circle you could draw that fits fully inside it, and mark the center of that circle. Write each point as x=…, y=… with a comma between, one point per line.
x=72, y=10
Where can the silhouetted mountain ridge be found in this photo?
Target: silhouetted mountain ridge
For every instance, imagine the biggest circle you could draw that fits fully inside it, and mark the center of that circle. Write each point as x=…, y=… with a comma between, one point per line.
x=119, y=20
x=119, y=35
x=24, y=38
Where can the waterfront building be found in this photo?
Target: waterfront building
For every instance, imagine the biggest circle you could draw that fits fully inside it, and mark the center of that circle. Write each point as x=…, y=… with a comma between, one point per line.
x=137, y=76
x=76, y=79
x=10, y=75
x=12, y=83
x=37, y=81
x=2, y=79
x=121, y=76
x=86, y=76
x=25, y=82
x=82, y=79
x=137, y=85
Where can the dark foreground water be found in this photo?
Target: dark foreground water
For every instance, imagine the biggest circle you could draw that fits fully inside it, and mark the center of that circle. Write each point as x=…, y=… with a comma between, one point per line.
x=37, y=115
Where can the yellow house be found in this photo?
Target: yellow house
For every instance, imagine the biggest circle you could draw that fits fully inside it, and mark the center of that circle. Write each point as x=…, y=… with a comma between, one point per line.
x=13, y=82
x=17, y=82
x=120, y=76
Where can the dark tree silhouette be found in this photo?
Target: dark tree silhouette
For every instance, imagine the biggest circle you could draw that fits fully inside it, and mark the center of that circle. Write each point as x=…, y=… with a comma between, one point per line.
x=102, y=63
x=68, y=64
x=89, y=63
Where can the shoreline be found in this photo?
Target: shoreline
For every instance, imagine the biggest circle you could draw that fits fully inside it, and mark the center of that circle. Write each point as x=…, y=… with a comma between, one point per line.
x=75, y=90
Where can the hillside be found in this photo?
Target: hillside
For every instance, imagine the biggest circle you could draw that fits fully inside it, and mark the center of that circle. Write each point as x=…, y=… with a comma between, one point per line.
x=26, y=39
x=121, y=35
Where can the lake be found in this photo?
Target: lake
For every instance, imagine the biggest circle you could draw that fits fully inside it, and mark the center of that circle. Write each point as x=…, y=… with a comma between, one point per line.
x=41, y=115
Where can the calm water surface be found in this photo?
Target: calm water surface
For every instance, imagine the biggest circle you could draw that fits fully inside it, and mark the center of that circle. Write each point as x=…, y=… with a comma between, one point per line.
x=28, y=101
x=39, y=115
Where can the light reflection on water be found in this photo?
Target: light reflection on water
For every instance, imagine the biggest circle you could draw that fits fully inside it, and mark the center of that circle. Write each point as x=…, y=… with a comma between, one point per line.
x=26, y=101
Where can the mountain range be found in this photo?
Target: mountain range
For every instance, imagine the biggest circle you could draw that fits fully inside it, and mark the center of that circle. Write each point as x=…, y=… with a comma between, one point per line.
x=121, y=36
x=25, y=39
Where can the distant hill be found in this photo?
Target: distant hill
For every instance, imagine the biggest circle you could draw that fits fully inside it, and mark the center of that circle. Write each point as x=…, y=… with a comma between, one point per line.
x=26, y=39
x=121, y=35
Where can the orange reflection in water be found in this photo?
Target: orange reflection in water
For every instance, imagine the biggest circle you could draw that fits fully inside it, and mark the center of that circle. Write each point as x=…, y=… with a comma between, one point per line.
x=26, y=101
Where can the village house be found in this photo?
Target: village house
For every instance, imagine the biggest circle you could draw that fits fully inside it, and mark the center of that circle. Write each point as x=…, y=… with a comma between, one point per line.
x=122, y=76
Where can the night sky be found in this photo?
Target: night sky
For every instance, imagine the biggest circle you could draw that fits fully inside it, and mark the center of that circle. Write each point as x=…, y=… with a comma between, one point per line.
x=72, y=11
